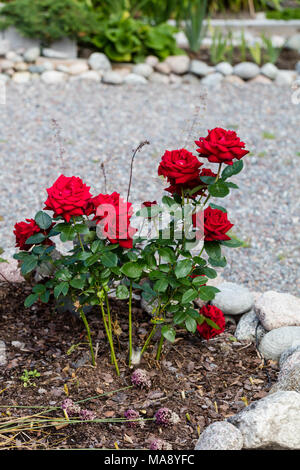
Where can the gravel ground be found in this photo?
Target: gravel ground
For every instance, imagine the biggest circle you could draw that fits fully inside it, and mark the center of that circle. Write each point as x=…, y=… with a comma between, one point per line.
x=104, y=123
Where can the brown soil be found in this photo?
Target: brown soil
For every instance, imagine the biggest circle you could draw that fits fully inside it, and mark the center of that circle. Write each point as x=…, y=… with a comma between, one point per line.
x=201, y=381
x=287, y=60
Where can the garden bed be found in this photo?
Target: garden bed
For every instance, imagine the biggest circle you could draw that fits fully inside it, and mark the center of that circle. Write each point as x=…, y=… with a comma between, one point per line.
x=201, y=381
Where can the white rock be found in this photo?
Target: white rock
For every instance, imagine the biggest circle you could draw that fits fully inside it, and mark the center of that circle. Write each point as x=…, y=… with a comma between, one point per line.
x=275, y=342
x=212, y=80
x=179, y=64
x=3, y=78
x=199, y=68
x=289, y=358
x=4, y=47
x=18, y=344
x=261, y=79
x=288, y=379
x=246, y=70
x=181, y=40
x=272, y=422
x=144, y=70
x=31, y=54
x=156, y=77
x=67, y=46
x=225, y=68
x=278, y=41
x=13, y=56
x=134, y=79
x=285, y=77
x=275, y=309
x=293, y=42
x=6, y=64
x=48, y=66
x=3, y=360
x=21, y=77
x=248, y=328
x=78, y=68
x=234, y=80
x=20, y=67
x=269, y=70
x=163, y=67
x=190, y=79
x=233, y=299
x=54, y=54
x=52, y=77
x=89, y=75
x=152, y=60
x=220, y=435
x=112, y=78
x=99, y=61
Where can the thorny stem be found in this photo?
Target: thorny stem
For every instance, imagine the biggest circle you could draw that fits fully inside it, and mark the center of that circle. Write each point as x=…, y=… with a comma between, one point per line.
x=139, y=147
x=83, y=317
x=109, y=339
x=78, y=235
x=159, y=348
x=130, y=323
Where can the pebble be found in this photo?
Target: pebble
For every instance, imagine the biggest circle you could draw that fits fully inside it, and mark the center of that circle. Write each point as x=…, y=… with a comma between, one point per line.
x=225, y=68
x=246, y=70
x=212, y=80
x=289, y=358
x=99, y=61
x=134, y=79
x=285, y=77
x=163, y=67
x=179, y=64
x=112, y=78
x=53, y=54
x=53, y=76
x=288, y=379
x=261, y=79
x=248, y=328
x=144, y=70
x=269, y=70
x=199, y=68
x=31, y=54
x=293, y=42
x=220, y=435
x=233, y=299
x=276, y=309
x=156, y=77
x=234, y=80
x=3, y=359
x=21, y=77
x=275, y=342
x=152, y=60
x=88, y=75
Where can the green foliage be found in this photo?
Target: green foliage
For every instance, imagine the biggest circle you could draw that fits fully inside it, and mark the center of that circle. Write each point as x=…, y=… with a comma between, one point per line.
x=48, y=20
x=284, y=14
x=221, y=48
x=194, y=14
x=256, y=53
x=270, y=53
x=28, y=378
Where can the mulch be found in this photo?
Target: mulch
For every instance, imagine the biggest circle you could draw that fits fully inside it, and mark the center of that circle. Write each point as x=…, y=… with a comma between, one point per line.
x=201, y=381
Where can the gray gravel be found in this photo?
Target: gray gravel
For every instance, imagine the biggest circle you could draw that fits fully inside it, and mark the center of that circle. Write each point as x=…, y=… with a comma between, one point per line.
x=103, y=123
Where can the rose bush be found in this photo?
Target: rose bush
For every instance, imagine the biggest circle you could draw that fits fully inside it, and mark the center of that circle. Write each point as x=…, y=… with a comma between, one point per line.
x=170, y=269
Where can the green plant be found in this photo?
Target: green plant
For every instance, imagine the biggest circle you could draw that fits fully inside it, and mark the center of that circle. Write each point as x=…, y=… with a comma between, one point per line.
x=194, y=15
x=221, y=47
x=270, y=53
x=284, y=14
x=243, y=47
x=48, y=20
x=28, y=377
x=256, y=53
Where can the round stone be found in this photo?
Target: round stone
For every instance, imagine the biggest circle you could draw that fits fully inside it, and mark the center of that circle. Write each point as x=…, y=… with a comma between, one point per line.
x=212, y=80
x=21, y=77
x=99, y=61
x=249, y=328
x=31, y=54
x=246, y=70
x=220, y=435
x=233, y=299
x=53, y=76
x=285, y=77
x=112, y=78
x=269, y=70
x=134, y=79
x=199, y=68
x=276, y=309
x=275, y=342
x=179, y=64
x=144, y=70
x=225, y=68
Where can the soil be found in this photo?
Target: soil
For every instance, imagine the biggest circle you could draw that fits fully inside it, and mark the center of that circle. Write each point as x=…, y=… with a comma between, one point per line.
x=201, y=381
x=287, y=59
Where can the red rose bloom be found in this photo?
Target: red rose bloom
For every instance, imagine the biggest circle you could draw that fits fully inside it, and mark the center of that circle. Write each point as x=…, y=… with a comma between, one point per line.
x=181, y=168
x=207, y=172
x=68, y=197
x=221, y=146
x=216, y=224
x=149, y=203
x=114, y=214
x=214, y=314
x=24, y=230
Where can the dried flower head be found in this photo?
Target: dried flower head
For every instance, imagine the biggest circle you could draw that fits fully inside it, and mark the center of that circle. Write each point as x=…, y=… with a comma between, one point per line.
x=159, y=444
x=132, y=415
x=71, y=408
x=166, y=417
x=87, y=415
x=140, y=378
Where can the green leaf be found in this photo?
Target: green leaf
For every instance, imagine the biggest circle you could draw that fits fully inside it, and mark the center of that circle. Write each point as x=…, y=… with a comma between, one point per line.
x=215, y=206
x=189, y=296
x=221, y=262
x=77, y=282
x=233, y=243
x=28, y=265
x=209, y=272
x=168, y=333
x=122, y=292
x=191, y=324
x=96, y=245
x=233, y=169
x=39, y=288
x=132, y=270
x=68, y=233
x=82, y=229
x=167, y=254
x=218, y=189
x=109, y=259
x=179, y=317
x=61, y=289
x=200, y=280
x=30, y=300
x=43, y=220
x=151, y=261
x=183, y=268
x=37, y=238
x=63, y=275
x=207, y=293
x=232, y=185
x=44, y=297
x=211, y=323
x=213, y=249
x=161, y=285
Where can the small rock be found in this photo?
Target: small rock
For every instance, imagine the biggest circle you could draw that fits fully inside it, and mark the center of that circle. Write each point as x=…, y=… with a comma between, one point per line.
x=144, y=70
x=156, y=77
x=163, y=67
x=20, y=67
x=3, y=78
x=220, y=435
x=234, y=80
x=3, y=359
x=78, y=68
x=21, y=77
x=175, y=79
x=212, y=80
x=275, y=309
x=31, y=54
x=285, y=77
x=99, y=61
x=275, y=342
x=52, y=77
x=6, y=64
x=53, y=54
x=288, y=380
x=112, y=78
x=4, y=47
x=269, y=70
x=48, y=66
x=293, y=42
x=233, y=299
x=179, y=64
x=289, y=358
x=134, y=79
x=261, y=79
x=88, y=75
x=10, y=271
x=152, y=60
x=200, y=68
x=225, y=68
x=247, y=328
x=246, y=70
x=181, y=40
x=14, y=57
x=36, y=69
x=18, y=344
x=190, y=79
x=297, y=67
x=271, y=423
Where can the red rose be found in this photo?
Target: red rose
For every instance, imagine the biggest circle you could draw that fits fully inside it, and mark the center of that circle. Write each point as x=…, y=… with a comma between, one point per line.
x=181, y=168
x=207, y=172
x=214, y=314
x=114, y=214
x=221, y=146
x=68, y=197
x=149, y=203
x=216, y=224
x=24, y=230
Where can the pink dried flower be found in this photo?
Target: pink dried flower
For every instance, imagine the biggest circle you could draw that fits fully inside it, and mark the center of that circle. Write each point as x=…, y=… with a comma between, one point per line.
x=132, y=415
x=87, y=415
x=71, y=408
x=159, y=444
x=140, y=378
x=166, y=417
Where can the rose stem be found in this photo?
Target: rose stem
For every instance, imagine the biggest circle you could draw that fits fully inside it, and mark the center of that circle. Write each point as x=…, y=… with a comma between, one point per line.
x=130, y=323
x=83, y=317
x=148, y=339
x=109, y=339
x=159, y=348
x=109, y=318
x=78, y=235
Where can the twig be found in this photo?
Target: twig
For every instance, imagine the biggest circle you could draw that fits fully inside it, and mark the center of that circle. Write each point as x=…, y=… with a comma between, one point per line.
x=104, y=176
x=139, y=147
